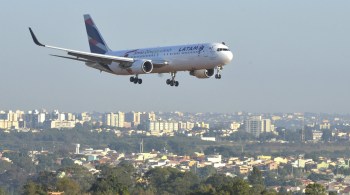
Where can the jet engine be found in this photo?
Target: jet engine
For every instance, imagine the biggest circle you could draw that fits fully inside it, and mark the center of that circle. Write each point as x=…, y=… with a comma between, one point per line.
x=141, y=67
x=203, y=73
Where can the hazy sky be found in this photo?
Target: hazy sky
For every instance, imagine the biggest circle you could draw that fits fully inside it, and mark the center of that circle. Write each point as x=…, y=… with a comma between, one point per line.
x=289, y=56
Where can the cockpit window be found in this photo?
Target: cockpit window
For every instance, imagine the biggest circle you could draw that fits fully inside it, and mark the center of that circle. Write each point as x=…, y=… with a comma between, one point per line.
x=222, y=49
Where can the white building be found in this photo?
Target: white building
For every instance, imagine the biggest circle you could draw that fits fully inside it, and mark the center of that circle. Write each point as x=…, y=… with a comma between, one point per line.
x=133, y=117
x=186, y=125
x=214, y=158
x=156, y=128
x=114, y=119
x=256, y=125
x=235, y=126
x=60, y=124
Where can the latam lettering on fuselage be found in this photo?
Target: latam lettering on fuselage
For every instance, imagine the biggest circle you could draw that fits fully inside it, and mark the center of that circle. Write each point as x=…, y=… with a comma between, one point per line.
x=191, y=48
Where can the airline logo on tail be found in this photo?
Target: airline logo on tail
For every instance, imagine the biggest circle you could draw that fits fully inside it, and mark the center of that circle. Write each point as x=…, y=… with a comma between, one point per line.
x=96, y=42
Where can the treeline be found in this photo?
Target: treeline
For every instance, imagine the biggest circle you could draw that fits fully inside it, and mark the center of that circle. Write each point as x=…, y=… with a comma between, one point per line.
x=125, y=179
x=64, y=140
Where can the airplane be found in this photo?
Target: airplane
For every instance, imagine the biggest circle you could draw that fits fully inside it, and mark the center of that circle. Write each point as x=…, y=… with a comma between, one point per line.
x=200, y=60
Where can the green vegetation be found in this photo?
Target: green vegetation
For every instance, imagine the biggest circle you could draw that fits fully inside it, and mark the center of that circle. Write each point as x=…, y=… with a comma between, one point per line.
x=61, y=142
x=124, y=179
x=315, y=189
x=23, y=176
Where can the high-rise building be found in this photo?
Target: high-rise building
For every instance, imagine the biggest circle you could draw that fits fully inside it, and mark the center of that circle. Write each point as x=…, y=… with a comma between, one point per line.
x=84, y=116
x=61, y=117
x=253, y=125
x=41, y=117
x=256, y=125
x=156, y=128
x=133, y=117
x=114, y=119
x=147, y=116
x=121, y=119
x=69, y=116
x=325, y=125
x=267, y=126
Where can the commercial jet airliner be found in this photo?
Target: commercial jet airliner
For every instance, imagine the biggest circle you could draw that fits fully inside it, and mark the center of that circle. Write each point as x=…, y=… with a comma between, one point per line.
x=201, y=60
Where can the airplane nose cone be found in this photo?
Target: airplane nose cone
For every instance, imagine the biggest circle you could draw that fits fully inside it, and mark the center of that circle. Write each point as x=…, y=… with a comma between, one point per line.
x=230, y=56
x=227, y=58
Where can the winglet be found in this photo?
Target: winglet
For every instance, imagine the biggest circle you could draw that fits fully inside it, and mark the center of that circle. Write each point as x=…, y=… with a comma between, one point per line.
x=35, y=39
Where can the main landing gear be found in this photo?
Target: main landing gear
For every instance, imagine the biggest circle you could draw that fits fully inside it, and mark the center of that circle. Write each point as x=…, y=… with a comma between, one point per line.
x=136, y=80
x=218, y=72
x=172, y=81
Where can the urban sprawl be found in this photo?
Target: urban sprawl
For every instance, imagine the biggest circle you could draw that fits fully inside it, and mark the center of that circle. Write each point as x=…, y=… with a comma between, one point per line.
x=292, y=150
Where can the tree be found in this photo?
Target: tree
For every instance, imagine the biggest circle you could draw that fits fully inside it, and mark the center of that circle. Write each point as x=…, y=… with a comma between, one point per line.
x=2, y=191
x=255, y=177
x=108, y=185
x=218, y=180
x=271, y=179
x=32, y=188
x=67, y=162
x=327, y=136
x=68, y=186
x=170, y=180
x=237, y=186
x=315, y=189
x=204, y=189
x=206, y=171
x=241, y=135
x=80, y=175
x=267, y=136
x=256, y=180
x=292, y=136
x=114, y=180
x=269, y=192
x=47, y=180
x=318, y=177
x=21, y=160
x=283, y=191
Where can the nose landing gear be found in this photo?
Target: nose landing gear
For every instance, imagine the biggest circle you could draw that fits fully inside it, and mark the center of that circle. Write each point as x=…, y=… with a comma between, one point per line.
x=172, y=81
x=218, y=72
x=136, y=80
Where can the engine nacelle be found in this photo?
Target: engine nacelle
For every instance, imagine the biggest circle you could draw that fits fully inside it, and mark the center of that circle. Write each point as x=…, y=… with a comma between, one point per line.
x=141, y=67
x=202, y=74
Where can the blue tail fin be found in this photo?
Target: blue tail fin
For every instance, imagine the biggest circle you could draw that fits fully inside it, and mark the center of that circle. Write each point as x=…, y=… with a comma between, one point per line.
x=96, y=42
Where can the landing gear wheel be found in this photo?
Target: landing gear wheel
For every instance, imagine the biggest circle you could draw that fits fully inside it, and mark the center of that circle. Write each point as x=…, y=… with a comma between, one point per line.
x=218, y=76
x=218, y=72
x=172, y=81
x=136, y=80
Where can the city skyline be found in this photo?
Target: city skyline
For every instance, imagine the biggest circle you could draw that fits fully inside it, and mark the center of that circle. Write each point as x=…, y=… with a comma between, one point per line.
x=161, y=111
x=283, y=61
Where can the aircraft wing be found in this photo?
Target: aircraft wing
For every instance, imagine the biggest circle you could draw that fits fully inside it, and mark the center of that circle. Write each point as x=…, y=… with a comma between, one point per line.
x=85, y=56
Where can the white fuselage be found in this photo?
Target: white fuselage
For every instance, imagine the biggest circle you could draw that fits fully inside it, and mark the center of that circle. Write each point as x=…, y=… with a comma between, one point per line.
x=177, y=58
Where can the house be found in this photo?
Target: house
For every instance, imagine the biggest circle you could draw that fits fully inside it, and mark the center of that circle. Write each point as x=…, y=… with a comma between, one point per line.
x=323, y=165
